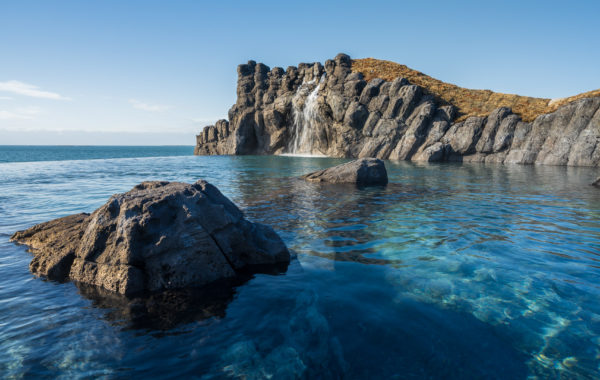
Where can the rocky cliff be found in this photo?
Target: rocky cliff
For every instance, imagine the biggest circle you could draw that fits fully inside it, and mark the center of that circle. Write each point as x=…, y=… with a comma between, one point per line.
x=331, y=110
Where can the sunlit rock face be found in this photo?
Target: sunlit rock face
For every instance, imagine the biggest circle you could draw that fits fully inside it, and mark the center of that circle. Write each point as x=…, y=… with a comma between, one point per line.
x=157, y=236
x=316, y=109
x=362, y=172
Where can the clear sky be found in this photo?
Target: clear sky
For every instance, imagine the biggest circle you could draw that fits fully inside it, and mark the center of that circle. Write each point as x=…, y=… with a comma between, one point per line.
x=155, y=72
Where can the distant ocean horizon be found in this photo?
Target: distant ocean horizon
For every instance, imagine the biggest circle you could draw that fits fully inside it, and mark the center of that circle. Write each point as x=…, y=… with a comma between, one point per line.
x=33, y=153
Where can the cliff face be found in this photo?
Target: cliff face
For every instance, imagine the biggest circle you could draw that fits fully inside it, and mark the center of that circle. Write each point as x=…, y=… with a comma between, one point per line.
x=330, y=110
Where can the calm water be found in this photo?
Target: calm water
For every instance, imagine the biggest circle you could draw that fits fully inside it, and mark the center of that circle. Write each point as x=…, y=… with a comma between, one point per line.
x=451, y=271
x=28, y=153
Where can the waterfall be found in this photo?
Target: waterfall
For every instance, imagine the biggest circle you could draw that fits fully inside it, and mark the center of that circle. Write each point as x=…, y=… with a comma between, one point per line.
x=304, y=118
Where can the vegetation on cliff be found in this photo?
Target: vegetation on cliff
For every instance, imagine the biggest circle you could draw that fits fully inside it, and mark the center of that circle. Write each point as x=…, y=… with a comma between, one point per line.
x=468, y=102
x=327, y=109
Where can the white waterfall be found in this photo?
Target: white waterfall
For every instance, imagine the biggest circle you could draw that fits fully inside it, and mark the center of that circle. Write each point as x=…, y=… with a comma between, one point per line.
x=305, y=119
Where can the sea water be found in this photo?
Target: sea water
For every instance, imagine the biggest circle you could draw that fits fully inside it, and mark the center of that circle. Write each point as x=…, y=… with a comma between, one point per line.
x=450, y=271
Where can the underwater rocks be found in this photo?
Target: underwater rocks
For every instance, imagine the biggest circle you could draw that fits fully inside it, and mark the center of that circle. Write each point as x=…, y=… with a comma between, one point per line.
x=330, y=110
x=304, y=348
x=166, y=309
x=363, y=172
x=159, y=235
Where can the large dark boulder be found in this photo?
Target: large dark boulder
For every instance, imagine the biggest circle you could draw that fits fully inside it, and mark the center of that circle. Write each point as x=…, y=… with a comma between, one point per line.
x=159, y=235
x=364, y=172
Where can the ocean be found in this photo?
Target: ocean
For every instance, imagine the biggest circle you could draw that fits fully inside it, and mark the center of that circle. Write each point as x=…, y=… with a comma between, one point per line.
x=450, y=271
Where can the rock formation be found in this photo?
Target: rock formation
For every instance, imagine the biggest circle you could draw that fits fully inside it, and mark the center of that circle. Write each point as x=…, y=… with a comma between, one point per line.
x=363, y=172
x=332, y=111
x=157, y=236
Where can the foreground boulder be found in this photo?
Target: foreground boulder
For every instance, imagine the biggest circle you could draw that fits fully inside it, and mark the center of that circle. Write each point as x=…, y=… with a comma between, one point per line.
x=363, y=172
x=159, y=235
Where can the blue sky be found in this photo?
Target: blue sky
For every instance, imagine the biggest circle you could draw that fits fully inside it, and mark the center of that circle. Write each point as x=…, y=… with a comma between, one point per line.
x=156, y=72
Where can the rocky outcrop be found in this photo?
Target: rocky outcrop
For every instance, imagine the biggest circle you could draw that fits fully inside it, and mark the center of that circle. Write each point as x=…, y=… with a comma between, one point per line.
x=330, y=110
x=159, y=235
x=363, y=172
x=54, y=244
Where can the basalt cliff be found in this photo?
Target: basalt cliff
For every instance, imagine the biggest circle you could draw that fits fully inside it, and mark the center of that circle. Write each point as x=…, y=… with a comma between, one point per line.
x=341, y=110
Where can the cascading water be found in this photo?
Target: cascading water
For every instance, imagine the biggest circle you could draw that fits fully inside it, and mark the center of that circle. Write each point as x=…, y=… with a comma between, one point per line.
x=305, y=119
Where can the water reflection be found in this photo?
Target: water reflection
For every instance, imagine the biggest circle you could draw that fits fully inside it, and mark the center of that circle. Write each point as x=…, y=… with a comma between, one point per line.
x=493, y=241
x=171, y=308
x=163, y=310
x=451, y=270
x=339, y=221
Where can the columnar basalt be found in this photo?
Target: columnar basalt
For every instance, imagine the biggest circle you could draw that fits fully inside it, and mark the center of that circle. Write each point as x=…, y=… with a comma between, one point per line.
x=330, y=110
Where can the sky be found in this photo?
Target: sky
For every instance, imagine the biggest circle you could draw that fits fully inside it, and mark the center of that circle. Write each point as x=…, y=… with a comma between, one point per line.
x=156, y=72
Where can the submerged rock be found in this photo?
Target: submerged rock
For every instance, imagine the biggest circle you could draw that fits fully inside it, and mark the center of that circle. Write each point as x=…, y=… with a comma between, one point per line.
x=364, y=172
x=303, y=348
x=159, y=235
x=166, y=309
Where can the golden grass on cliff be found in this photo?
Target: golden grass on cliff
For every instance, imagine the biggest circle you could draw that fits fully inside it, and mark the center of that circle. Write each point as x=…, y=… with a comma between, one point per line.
x=469, y=102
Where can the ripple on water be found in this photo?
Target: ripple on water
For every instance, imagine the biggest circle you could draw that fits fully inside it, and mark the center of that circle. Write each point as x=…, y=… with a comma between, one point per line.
x=450, y=271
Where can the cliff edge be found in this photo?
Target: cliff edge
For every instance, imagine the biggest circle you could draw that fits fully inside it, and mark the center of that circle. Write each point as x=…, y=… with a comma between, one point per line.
x=345, y=108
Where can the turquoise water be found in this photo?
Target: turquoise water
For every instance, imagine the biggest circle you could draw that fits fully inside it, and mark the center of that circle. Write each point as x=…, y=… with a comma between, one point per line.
x=451, y=271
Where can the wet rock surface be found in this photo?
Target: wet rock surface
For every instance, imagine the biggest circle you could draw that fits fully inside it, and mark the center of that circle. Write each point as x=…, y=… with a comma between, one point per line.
x=329, y=110
x=363, y=172
x=159, y=235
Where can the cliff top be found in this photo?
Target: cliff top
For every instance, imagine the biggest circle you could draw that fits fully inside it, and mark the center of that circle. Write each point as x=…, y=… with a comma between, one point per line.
x=469, y=102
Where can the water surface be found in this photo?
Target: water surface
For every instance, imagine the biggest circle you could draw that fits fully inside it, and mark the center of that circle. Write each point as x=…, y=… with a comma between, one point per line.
x=450, y=271
x=29, y=153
